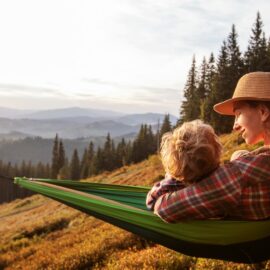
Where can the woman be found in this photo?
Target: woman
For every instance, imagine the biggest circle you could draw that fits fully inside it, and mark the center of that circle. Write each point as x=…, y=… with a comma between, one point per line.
x=239, y=189
x=250, y=105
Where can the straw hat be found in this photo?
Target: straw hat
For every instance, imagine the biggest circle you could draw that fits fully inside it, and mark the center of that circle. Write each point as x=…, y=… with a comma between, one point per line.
x=252, y=86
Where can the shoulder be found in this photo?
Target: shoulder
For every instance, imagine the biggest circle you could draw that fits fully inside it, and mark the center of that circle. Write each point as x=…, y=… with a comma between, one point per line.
x=239, y=153
x=256, y=164
x=264, y=150
x=257, y=156
x=247, y=166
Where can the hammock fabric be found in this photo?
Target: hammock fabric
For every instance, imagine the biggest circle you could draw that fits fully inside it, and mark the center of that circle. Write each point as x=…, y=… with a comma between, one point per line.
x=124, y=206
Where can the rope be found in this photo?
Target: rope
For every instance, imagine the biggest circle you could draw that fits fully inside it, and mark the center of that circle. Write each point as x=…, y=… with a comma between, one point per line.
x=6, y=177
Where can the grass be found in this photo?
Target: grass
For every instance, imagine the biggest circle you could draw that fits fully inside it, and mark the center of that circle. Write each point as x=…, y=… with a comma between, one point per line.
x=39, y=233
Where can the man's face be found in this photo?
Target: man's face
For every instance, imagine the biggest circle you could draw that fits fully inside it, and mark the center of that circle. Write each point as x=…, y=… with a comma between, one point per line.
x=248, y=121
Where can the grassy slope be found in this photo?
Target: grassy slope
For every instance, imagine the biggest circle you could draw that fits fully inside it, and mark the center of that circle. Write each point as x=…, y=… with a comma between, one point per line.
x=39, y=233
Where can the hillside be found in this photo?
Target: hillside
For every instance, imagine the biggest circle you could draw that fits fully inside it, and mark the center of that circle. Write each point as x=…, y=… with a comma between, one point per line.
x=39, y=233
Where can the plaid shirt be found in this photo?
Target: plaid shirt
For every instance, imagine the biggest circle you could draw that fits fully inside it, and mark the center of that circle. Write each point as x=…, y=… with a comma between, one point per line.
x=239, y=189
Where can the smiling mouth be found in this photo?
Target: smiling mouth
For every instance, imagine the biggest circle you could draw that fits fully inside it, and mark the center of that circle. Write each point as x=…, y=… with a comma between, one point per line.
x=241, y=132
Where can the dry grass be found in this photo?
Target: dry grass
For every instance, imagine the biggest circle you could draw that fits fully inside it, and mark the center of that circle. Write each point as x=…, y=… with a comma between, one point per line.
x=144, y=173
x=39, y=233
x=233, y=142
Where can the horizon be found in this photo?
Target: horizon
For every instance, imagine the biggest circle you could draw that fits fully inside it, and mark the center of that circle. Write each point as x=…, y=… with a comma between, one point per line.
x=132, y=57
x=84, y=108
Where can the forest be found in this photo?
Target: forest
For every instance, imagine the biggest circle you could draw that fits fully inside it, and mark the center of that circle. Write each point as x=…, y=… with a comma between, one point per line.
x=94, y=160
x=215, y=79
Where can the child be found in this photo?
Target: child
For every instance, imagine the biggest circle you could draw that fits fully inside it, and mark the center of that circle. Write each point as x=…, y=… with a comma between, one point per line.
x=188, y=153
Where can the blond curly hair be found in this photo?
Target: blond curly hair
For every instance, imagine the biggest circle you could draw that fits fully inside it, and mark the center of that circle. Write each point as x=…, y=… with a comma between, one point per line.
x=190, y=151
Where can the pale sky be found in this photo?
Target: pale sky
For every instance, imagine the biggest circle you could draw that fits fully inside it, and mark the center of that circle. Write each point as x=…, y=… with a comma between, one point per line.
x=125, y=55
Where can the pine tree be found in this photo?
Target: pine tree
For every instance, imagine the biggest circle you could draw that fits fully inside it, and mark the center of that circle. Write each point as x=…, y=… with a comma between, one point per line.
x=202, y=87
x=234, y=72
x=22, y=169
x=90, y=156
x=40, y=170
x=129, y=152
x=97, y=165
x=61, y=155
x=220, y=90
x=235, y=59
x=166, y=125
x=29, y=169
x=202, y=92
x=268, y=49
x=64, y=172
x=229, y=70
x=256, y=56
x=190, y=108
x=75, y=166
x=151, y=142
x=113, y=153
x=8, y=170
x=138, y=148
x=210, y=74
x=84, y=166
x=108, y=155
x=16, y=170
x=207, y=104
x=144, y=145
x=55, y=158
x=121, y=155
x=48, y=170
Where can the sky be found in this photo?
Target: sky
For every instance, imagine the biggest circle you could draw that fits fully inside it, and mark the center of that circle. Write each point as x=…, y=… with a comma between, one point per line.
x=129, y=56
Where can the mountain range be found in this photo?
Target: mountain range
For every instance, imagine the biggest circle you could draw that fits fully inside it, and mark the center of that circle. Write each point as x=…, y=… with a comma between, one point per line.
x=56, y=113
x=28, y=135
x=72, y=123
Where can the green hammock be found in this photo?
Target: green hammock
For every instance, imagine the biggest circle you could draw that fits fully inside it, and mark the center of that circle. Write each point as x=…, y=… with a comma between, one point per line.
x=124, y=206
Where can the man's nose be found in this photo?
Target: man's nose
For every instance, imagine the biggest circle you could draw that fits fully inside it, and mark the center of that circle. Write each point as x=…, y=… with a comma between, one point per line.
x=236, y=126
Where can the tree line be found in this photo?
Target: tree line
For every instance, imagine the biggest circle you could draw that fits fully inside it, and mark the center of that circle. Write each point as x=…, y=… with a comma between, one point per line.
x=94, y=159
x=110, y=156
x=215, y=80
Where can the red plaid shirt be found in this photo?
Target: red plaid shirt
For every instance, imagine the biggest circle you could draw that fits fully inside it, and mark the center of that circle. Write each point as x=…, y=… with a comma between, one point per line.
x=239, y=189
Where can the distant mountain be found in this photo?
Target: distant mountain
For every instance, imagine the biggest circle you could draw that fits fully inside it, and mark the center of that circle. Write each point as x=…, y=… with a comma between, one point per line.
x=144, y=118
x=57, y=113
x=65, y=128
x=13, y=113
x=80, y=126
x=103, y=127
x=13, y=136
x=73, y=112
x=32, y=139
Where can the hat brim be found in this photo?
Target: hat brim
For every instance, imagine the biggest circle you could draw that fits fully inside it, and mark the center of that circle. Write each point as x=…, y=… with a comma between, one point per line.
x=226, y=107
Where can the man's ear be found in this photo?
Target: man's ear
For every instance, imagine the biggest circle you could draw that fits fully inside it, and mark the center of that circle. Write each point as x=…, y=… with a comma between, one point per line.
x=265, y=112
